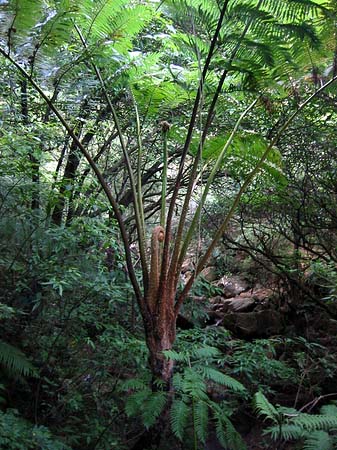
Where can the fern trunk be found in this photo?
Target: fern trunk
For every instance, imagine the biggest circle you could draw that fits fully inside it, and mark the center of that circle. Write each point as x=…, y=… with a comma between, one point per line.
x=160, y=329
x=159, y=339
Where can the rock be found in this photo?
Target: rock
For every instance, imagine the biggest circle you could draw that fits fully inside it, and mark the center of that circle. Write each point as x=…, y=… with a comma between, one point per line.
x=232, y=286
x=186, y=276
x=209, y=273
x=238, y=304
x=184, y=323
x=262, y=294
x=215, y=318
x=216, y=300
x=254, y=324
x=188, y=266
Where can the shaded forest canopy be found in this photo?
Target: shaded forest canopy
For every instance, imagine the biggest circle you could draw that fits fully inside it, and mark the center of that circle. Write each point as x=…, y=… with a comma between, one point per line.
x=168, y=224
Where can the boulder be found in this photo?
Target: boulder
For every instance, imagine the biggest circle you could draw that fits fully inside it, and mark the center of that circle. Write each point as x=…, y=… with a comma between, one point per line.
x=254, y=324
x=262, y=294
x=188, y=266
x=232, y=286
x=209, y=273
x=238, y=304
x=217, y=300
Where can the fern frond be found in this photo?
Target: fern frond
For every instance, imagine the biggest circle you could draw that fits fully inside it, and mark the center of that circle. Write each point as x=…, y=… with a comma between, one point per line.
x=176, y=356
x=221, y=378
x=318, y=440
x=135, y=402
x=189, y=44
x=127, y=24
x=227, y=435
x=311, y=422
x=286, y=431
x=201, y=420
x=193, y=385
x=96, y=17
x=25, y=13
x=178, y=417
x=292, y=10
x=6, y=312
x=135, y=384
x=177, y=382
x=152, y=98
x=14, y=361
x=152, y=408
x=205, y=352
x=329, y=410
x=264, y=408
x=204, y=12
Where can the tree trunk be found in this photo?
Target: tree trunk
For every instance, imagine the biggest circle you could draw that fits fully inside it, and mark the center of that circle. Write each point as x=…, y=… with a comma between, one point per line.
x=69, y=175
x=35, y=164
x=157, y=342
x=160, y=336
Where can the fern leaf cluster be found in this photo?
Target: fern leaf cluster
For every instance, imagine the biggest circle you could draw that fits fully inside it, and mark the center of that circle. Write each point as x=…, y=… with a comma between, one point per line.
x=192, y=408
x=14, y=361
x=180, y=412
x=228, y=437
x=315, y=431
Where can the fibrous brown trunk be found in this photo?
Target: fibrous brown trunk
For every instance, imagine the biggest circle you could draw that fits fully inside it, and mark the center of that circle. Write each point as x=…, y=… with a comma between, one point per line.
x=160, y=329
x=162, y=373
x=161, y=367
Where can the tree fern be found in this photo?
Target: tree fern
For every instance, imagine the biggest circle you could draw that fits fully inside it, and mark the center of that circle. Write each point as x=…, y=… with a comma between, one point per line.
x=262, y=53
x=14, y=361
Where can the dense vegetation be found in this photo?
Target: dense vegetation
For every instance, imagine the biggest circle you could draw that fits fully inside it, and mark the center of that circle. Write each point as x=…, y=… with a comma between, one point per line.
x=168, y=224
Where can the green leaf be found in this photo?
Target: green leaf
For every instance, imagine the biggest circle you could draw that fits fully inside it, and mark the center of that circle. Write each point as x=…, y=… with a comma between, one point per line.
x=206, y=352
x=178, y=416
x=193, y=384
x=201, y=420
x=135, y=402
x=227, y=435
x=265, y=408
x=313, y=422
x=176, y=356
x=152, y=408
x=318, y=440
x=329, y=410
x=15, y=361
x=286, y=431
x=220, y=378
